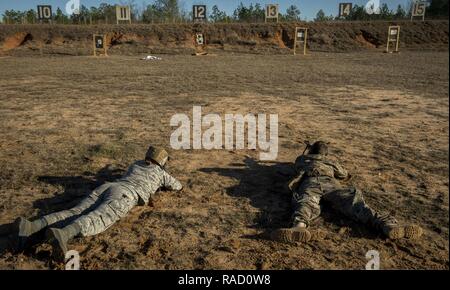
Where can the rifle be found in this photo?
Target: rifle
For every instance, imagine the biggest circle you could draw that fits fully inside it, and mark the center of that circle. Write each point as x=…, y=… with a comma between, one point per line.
x=295, y=182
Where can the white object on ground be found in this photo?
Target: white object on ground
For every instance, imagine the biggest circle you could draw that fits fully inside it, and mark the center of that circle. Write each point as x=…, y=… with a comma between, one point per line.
x=151, y=57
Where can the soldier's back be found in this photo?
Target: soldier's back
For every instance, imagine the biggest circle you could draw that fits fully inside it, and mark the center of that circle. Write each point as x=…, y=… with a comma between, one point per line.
x=315, y=164
x=143, y=179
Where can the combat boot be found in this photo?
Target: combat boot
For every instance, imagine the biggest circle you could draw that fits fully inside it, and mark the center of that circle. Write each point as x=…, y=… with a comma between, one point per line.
x=413, y=231
x=390, y=227
x=59, y=238
x=398, y=232
x=23, y=229
x=297, y=233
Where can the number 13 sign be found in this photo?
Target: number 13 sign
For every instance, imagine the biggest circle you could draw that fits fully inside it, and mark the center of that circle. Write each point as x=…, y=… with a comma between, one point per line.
x=271, y=11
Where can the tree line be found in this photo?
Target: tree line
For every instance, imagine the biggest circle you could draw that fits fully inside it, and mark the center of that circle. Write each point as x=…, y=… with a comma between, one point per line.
x=170, y=11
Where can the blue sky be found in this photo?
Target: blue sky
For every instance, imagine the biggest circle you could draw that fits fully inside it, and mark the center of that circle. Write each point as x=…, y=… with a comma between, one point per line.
x=308, y=8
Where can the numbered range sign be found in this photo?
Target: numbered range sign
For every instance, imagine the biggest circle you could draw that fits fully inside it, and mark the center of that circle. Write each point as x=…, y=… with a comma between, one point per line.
x=199, y=12
x=100, y=44
x=418, y=10
x=272, y=12
x=44, y=12
x=393, y=37
x=123, y=13
x=301, y=36
x=345, y=9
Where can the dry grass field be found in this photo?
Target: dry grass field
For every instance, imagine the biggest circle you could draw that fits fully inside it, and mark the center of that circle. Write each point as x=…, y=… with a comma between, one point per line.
x=68, y=124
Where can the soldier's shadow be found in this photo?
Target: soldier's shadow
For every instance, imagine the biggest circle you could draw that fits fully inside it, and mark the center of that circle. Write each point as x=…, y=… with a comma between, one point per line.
x=265, y=185
x=75, y=188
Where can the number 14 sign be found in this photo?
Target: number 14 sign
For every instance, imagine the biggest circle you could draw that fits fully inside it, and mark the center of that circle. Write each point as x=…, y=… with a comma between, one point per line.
x=345, y=9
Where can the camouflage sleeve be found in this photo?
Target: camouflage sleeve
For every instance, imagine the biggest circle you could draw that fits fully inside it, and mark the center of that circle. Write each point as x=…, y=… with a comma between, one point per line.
x=296, y=181
x=171, y=182
x=339, y=171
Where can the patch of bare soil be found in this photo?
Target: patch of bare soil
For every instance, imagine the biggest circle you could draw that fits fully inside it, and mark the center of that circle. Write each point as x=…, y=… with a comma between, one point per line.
x=67, y=124
x=15, y=41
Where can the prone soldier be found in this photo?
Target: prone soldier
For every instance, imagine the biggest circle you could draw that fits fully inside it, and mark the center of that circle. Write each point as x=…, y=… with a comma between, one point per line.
x=319, y=178
x=105, y=205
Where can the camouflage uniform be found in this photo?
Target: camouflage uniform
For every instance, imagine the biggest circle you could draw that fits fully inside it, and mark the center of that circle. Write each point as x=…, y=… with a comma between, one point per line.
x=109, y=202
x=318, y=177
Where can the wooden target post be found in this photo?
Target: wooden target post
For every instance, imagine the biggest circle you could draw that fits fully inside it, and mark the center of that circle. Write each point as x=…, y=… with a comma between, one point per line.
x=393, y=37
x=200, y=43
x=301, y=36
x=99, y=44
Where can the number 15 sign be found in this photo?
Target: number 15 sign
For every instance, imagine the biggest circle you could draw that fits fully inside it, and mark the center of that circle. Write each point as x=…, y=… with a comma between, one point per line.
x=418, y=10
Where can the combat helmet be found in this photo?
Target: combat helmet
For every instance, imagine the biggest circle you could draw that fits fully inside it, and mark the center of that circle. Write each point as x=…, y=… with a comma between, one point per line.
x=319, y=147
x=158, y=155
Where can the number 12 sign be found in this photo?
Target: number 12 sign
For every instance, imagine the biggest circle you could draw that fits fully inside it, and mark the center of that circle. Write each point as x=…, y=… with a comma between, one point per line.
x=199, y=12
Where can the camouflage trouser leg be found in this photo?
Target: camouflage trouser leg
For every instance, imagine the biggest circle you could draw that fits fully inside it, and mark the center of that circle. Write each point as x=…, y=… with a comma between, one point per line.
x=306, y=204
x=350, y=202
x=116, y=203
x=84, y=205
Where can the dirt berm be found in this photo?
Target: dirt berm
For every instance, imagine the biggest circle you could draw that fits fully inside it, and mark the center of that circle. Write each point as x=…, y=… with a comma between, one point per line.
x=252, y=38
